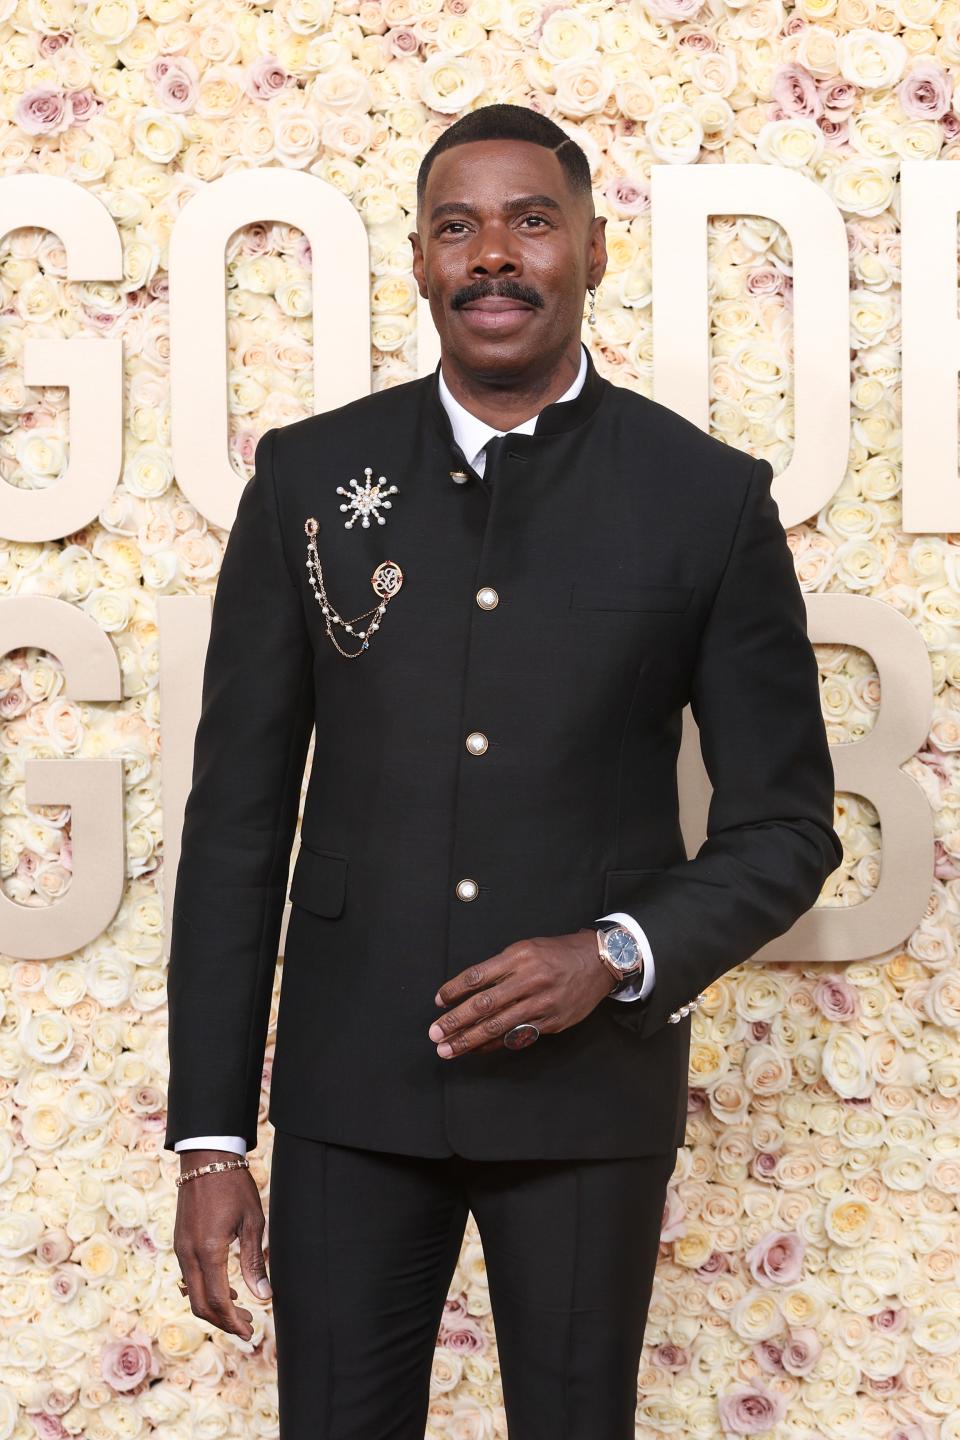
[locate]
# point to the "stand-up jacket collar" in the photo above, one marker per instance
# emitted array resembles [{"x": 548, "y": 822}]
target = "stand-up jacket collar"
[{"x": 552, "y": 420}]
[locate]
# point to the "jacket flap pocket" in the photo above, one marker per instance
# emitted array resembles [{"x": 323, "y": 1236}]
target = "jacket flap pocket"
[
  {"x": 620, "y": 886},
  {"x": 319, "y": 880},
  {"x": 609, "y": 593}
]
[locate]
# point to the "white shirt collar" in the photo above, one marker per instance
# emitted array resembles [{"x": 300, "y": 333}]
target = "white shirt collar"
[{"x": 471, "y": 433}]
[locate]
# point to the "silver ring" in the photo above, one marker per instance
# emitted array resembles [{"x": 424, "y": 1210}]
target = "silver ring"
[{"x": 521, "y": 1036}]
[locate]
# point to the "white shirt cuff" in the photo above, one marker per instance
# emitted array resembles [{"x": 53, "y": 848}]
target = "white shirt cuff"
[
  {"x": 213, "y": 1142},
  {"x": 633, "y": 991}
]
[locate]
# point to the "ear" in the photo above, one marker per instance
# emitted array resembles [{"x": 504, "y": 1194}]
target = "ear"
[
  {"x": 596, "y": 250},
  {"x": 418, "y": 272}
]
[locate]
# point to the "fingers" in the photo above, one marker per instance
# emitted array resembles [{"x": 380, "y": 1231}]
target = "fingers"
[
  {"x": 476, "y": 976},
  {"x": 475, "y": 1011},
  {"x": 205, "y": 1272},
  {"x": 251, "y": 1255},
  {"x": 482, "y": 1020},
  {"x": 488, "y": 1034}
]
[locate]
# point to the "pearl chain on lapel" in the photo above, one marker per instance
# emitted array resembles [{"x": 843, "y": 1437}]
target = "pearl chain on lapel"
[{"x": 386, "y": 581}]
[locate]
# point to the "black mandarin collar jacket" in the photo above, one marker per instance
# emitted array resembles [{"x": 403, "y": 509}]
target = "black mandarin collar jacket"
[{"x": 639, "y": 566}]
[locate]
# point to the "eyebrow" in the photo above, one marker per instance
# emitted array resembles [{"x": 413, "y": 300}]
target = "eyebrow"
[{"x": 521, "y": 202}]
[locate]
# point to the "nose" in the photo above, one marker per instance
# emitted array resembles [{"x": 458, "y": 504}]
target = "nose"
[{"x": 494, "y": 251}]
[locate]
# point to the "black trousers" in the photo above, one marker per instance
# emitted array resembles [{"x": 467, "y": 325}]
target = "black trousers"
[{"x": 362, "y": 1245}]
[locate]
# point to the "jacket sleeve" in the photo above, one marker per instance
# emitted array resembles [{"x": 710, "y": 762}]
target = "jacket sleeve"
[
  {"x": 251, "y": 742},
  {"x": 770, "y": 838}
]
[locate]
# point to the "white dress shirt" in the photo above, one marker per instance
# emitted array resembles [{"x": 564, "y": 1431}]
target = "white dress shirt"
[{"x": 472, "y": 434}]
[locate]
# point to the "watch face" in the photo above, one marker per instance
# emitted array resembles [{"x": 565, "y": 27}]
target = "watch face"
[{"x": 621, "y": 947}]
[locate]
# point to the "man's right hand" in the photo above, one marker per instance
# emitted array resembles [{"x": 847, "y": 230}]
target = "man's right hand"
[{"x": 211, "y": 1210}]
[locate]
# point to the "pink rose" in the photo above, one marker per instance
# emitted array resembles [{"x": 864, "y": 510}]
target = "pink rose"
[
  {"x": 85, "y": 103},
  {"x": 836, "y": 998},
  {"x": 836, "y": 133},
  {"x": 801, "y": 1351},
  {"x": 265, "y": 78},
  {"x": 48, "y": 1427},
  {"x": 402, "y": 41},
  {"x": 765, "y": 1164},
  {"x": 765, "y": 280},
  {"x": 776, "y": 1259},
  {"x": 671, "y": 1357},
  {"x": 716, "y": 1263},
  {"x": 125, "y": 1364},
  {"x": 43, "y": 111},
  {"x": 628, "y": 197},
  {"x": 838, "y": 96},
  {"x": 48, "y": 45},
  {"x": 884, "y": 1384},
  {"x": 945, "y": 866},
  {"x": 925, "y": 91},
  {"x": 750, "y": 1411},
  {"x": 890, "y": 1321},
  {"x": 768, "y": 1357},
  {"x": 950, "y": 124},
  {"x": 702, "y": 41},
  {"x": 178, "y": 85},
  {"x": 795, "y": 92},
  {"x": 467, "y": 1338}
]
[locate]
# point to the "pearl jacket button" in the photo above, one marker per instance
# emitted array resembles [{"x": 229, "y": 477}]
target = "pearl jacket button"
[
  {"x": 476, "y": 742},
  {"x": 487, "y": 597},
  {"x": 467, "y": 889}
]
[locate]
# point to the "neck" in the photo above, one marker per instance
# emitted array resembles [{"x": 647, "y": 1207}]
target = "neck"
[{"x": 507, "y": 401}]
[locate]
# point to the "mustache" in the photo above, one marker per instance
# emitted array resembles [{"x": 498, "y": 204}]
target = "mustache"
[{"x": 507, "y": 289}]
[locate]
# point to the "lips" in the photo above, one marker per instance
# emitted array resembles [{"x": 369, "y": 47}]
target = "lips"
[{"x": 495, "y": 312}]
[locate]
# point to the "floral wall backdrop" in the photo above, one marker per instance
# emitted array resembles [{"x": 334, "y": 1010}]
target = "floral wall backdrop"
[{"x": 808, "y": 1277}]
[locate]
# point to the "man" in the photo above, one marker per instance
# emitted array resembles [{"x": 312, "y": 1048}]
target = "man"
[{"x": 496, "y": 665}]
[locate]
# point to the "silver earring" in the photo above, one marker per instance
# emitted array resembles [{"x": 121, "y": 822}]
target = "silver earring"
[{"x": 592, "y": 317}]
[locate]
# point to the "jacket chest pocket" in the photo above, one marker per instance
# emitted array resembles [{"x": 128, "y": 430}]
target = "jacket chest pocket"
[
  {"x": 603, "y": 593},
  {"x": 319, "y": 881}
]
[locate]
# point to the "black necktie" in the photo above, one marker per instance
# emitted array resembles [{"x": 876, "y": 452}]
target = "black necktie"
[{"x": 493, "y": 450}]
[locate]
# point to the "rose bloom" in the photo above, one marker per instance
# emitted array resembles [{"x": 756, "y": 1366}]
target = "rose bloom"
[
  {"x": 749, "y": 1410},
  {"x": 43, "y": 111},
  {"x": 776, "y": 1259}
]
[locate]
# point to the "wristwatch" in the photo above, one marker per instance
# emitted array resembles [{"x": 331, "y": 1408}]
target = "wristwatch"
[{"x": 619, "y": 950}]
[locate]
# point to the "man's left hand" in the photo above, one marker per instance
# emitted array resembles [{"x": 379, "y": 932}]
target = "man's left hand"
[{"x": 551, "y": 981}]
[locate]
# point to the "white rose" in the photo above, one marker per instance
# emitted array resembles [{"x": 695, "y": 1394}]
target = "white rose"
[
  {"x": 795, "y": 142},
  {"x": 942, "y": 1000},
  {"x": 582, "y": 87},
  {"x": 159, "y": 135},
  {"x": 449, "y": 83},
  {"x": 844, "y": 1061},
  {"x": 47, "y": 1038},
  {"x": 871, "y": 316},
  {"x": 871, "y": 59},
  {"x": 862, "y": 185},
  {"x": 41, "y": 454},
  {"x": 937, "y": 1331},
  {"x": 109, "y": 20},
  {"x": 296, "y": 136},
  {"x": 149, "y": 471},
  {"x": 567, "y": 35},
  {"x": 848, "y": 1220},
  {"x": 674, "y": 134},
  {"x": 756, "y": 1316}
]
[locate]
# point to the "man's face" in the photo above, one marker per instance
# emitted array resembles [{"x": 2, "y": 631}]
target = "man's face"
[{"x": 504, "y": 251}]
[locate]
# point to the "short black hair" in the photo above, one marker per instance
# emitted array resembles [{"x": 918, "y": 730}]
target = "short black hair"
[{"x": 511, "y": 122}]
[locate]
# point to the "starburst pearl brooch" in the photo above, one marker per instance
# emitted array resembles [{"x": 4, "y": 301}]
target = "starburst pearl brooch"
[{"x": 367, "y": 499}]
